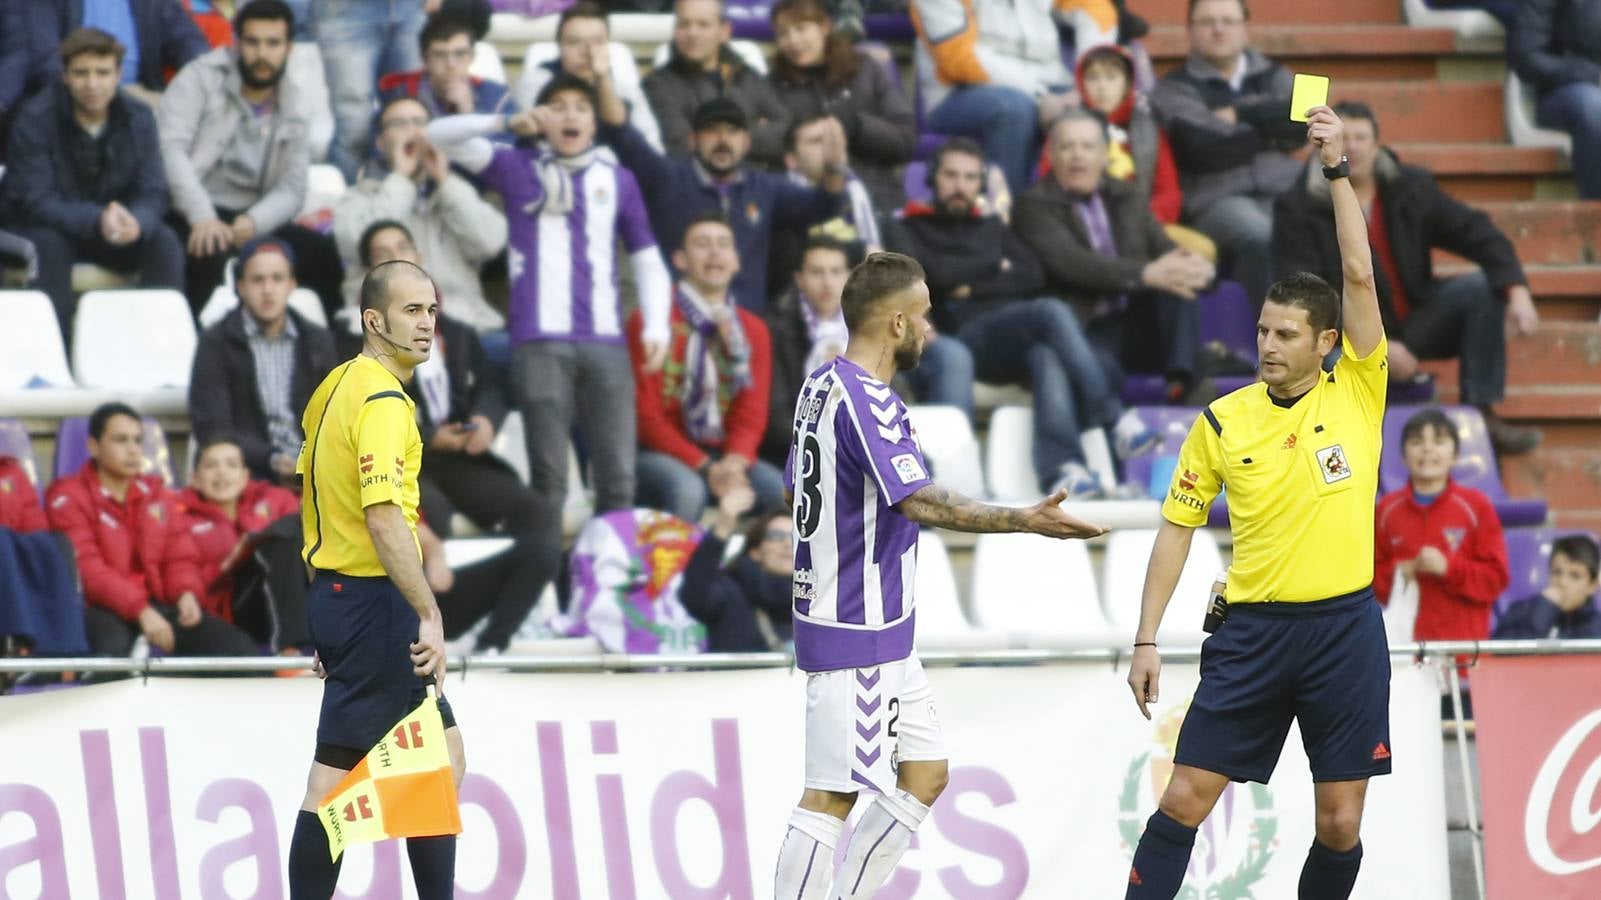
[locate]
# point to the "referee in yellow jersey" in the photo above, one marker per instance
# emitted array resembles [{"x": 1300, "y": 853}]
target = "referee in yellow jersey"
[
  {"x": 374, "y": 622},
  {"x": 1303, "y": 639}
]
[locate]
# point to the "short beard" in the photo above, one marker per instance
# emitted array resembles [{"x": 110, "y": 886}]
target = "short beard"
[
  {"x": 254, "y": 84},
  {"x": 908, "y": 354}
]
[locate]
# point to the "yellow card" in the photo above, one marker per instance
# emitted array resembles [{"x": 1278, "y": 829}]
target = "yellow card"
[{"x": 1309, "y": 91}]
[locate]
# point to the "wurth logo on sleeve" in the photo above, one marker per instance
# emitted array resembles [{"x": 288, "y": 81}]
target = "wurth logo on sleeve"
[{"x": 366, "y": 463}]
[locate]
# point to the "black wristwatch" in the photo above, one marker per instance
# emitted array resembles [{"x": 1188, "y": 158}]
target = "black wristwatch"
[{"x": 1335, "y": 173}]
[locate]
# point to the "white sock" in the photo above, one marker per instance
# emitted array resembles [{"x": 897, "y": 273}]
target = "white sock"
[
  {"x": 806, "y": 860},
  {"x": 876, "y": 847},
  {"x": 1098, "y": 456}
]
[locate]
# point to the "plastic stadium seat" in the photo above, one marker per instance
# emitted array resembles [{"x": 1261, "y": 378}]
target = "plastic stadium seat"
[
  {"x": 1469, "y": 23},
  {"x": 487, "y": 63},
  {"x": 305, "y": 71},
  {"x": 624, "y": 69},
  {"x": 90, "y": 277},
  {"x": 15, "y": 443},
  {"x": 325, "y": 184},
  {"x": 749, "y": 51},
  {"x": 1520, "y": 124},
  {"x": 1227, "y": 317},
  {"x": 914, "y": 181},
  {"x": 1475, "y": 465},
  {"x": 72, "y": 449},
  {"x": 223, "y": 300},
  {"x": 1528, "y": 552},
  {"x": 133, "y": 340},
  {"x": 34, "y": 354},
  {"x": 1128, "y": 552},
  {"x": 1028, "y": 584},
  {"x": 949, "y": 447},
  {"x": 463, "y": 552},
  {"x": 939, "y": 607},
  {"x": 510, "y": 445},
  {"x": 1009, "y": 455}
]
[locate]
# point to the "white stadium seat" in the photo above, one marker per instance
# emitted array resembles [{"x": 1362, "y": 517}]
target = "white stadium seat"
[
  {"x": 133, "y": 340},
  {"x": 35, "y": 353},
  {"x": 939, "y": 606},
  {"x": 1468, "y": 23},
  {"x": 1123, "y": 575},
  {"x": 510, "y": 445},
  {"x": 1028, "y": 584},
  {"x": 325, "y": 184},
  {"x": 305, "y": 72},
  {"x": 1009, "y": 455},
  {"x": 223, "y": 300},
  {"x": 1520, "y": 125},
  {"x": 487, "y": 63},
  {"x": 950, "y": 448}
]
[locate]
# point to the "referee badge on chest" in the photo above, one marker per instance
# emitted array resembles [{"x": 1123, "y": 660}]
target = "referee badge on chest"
[{"x": 1331, "y": 461}]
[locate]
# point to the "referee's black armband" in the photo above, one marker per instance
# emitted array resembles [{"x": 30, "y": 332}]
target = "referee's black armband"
[
  {"x": 1211, "y": 419},
  {"x": 382, "y": 394}
]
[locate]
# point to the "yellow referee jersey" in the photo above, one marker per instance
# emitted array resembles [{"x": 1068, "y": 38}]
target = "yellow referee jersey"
[
  {"x": 1302, "y": 481},
  {"x": 362, "y": 447}
]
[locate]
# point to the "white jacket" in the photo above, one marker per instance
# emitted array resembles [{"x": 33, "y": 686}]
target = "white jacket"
[{"x": 1010, "y": 43}]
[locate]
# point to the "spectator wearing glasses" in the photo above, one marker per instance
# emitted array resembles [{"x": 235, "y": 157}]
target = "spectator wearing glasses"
[{"x": 444, "y": 85}]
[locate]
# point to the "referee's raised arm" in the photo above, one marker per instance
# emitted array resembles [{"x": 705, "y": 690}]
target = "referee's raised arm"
[{"x": 1360, "y": 298}]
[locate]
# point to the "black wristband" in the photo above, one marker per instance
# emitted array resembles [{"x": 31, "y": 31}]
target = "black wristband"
[
  {"x": 1338, "y": 171},
  {"x": 1145, "y": 643}
]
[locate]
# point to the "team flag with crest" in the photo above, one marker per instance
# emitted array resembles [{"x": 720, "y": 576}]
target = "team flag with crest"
[{"x": 403, "y": 788}]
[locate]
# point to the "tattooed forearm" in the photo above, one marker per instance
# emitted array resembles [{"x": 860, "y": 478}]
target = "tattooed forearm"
[{"x": 937, "y": 507}]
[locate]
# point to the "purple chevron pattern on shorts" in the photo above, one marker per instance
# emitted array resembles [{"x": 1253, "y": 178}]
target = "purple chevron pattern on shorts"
[{"x": 869, "y": 726}]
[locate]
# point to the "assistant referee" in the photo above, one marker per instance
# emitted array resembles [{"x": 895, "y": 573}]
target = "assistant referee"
[
  {"x": 1303, "y": 638},
  {"x": 374, "y": 621}
]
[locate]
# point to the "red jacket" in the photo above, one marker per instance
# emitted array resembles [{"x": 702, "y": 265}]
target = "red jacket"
[
  {"x": 19, "y": 503},
  {"x": 656, "y": 397},
  {"x": 128, "y": 553},
  {"x": 1462, "y": 524},
  {"x": 215, "y": 535}
]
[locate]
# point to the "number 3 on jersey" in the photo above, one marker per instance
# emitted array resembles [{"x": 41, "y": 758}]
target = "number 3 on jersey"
[{"x": 809, "y": 505}]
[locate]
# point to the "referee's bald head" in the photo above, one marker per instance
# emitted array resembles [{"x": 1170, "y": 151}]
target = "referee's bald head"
[{"x": 377, "y": 289}]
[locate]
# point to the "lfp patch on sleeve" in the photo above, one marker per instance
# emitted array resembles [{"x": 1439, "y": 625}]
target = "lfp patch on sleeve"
[{"x": 908, "y": 468}]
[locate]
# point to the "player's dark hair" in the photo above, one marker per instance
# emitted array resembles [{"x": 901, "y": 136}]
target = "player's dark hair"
[
  {"x": 709, "y": 216},
  {"x": 1245, "y": 11},
  {"x": 850, "y": 250},
  {"x": 218, "y": 440},
  {"x": 1311, "y": 293},
  {"x": 1356, "y": 109},
  {"x": 881, "y": 276},
  {"x": 566, "y": 82},
  {"x": 91, "y": 41},
  {"x": 958, "y": 145},
  {"x": 583, "y": 9},
  {"x": 440, "y": 27},
  {"x": 792, "y": 133},
  {"x": 375, "y": 293},
  {"x": 264, "y": 11},
  {"x": 1581, "y": 549},
  {"x": 364, "y": 243},
  {"x": 104, "y": 413},
  {"x": 1433, "y": 417}
]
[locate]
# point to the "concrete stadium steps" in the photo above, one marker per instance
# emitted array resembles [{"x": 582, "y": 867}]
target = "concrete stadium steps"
[
  {"x": 1561, "y": 293},
  {"x": 1568, "y": 478},
  {"x": 1342, "y": 52},
  {"x": 1547, "y": 232},
  {"x": 1490, "y": 170},
  {"x": 1277, "y": 12}
]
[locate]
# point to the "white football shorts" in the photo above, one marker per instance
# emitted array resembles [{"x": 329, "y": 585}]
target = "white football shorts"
[{"x": 861, "y": 724}]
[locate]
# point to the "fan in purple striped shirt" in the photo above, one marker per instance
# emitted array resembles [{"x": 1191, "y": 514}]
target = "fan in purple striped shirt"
[{"x": 861, "y": 489}]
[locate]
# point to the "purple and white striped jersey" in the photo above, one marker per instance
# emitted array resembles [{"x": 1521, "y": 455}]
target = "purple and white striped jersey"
[
  {"x": 853, "y": 456},
  {"x": 563, "y": 269}
]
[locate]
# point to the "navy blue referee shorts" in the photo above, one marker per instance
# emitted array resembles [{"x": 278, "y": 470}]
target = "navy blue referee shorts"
[
  {"x": 1325, "y": 665},
  {"x": 363, "y": 629}
]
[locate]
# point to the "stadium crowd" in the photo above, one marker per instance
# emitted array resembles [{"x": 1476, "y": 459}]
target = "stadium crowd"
[{"x": 646, "y": 269}]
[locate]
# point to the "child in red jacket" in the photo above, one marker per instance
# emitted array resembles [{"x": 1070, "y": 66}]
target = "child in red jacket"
[
  {"x": 1444, "y": 536},
  {"x": 135, "y": 557},
  {"x": 247, "y": 541}
]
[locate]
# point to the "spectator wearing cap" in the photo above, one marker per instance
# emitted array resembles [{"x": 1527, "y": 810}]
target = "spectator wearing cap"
[
  {"x": 235, "y": 148},
  {"x": 569, "y": 207},
  {"x": 807, "y": 145},
  {"x": 818, "y": 72},
  {"x": 1467, "y": 317},
  {"x": 85, "y": 182},
  {"x": 1104, "y": 251},
  {"x": 134, "y": 553},
  {"x": 255, "y": 370},
  {"x": 1557, "y": 49},
  {"x": 1566, "y": 609},
  {"x": 717, "y": 178},
  {"x": 410, "y": 181},
  {"x": 583, "y": 42},
  {"x": 1226, "y": 114},
  {"x": 444, "y": 85},
  {"x": 993, "y": 72},
  {"x": 702, "y": 67}
]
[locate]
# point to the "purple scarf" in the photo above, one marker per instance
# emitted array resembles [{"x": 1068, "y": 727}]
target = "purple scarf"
[{"x": 716, "y": 364}]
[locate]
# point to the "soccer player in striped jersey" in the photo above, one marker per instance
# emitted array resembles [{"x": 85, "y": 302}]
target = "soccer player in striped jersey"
[{"x": 860, "y": 490}]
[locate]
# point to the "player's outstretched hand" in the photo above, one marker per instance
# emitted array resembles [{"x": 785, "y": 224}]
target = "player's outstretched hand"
[
  {"x": 428, "y": 651},
  {"x": 1144, "y": 677},
  {"x": 1047, "y": 517}
]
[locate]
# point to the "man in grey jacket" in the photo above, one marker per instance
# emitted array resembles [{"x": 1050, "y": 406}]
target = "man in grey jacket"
[
  {"x": 235, "y": 150},
  {"x": 1226, "y": 112}
]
